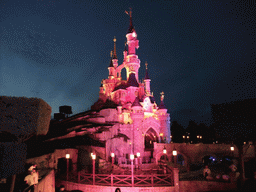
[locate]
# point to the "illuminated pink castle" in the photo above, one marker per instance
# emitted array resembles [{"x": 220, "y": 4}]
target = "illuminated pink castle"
[{"x": 130, "y": 106}]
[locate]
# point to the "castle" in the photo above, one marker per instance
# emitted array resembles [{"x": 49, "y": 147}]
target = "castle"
[{"x": 130, "y": 106}]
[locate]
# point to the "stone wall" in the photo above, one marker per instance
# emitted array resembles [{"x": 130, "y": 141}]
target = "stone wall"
[
  {"x": 24, "y": 116},
  {"x": 95, "y": 188},
  {"x": 197, "y": 186},
  {"x": 47, "y": 183},
  {"x": 51, "y": 160},
  {"x": 194, "y": 153}
]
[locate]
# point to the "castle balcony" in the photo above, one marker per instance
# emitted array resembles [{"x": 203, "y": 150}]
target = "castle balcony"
[{"x": 126, "y": 179}]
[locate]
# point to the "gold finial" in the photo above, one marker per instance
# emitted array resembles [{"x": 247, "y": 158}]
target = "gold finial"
[
  {"x": 129, "y": 13},
  {"x": 146, "y": 64},
  {"x": 162, "y": 96},
  {"x": 114, "y": 39}
]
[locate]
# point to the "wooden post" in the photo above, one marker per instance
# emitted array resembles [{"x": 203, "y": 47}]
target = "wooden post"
[
  {"x": 13, "y": 183},
  {"x": 79, "y": 172},
  {"x": 112, "y": 180},
  {"x": 67, "y": 168},
  {"x": 176, "y": 179},
  {"x": 152, "y": 180},
  {"x": 132, "y": 175},
  {"x": 93, "y": 171}
]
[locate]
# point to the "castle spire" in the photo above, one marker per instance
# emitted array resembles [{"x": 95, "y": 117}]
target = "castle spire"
[
  {"x": 131, "y": 28},
  {"x": 147, "y": 81},
  {"x": 111, "y": 58},
  {"x": 162, "y": 105},
  {"x": 114, "y": 53},
  {"x": 146, "y": 75}
]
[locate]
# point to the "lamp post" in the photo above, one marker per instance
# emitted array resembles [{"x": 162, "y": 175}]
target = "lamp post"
[
  {"x": 232, "y": 148},
  {"x": 132, "y": 158},
  {"x": 174, "y": 153},
  {"x": 67, "y": 157},
  {"x": 93, "y": 167},
  {"x": 164, "y": 152},
  {"x": 138, "y": 156},
  {"x": 112, "y": 156}
]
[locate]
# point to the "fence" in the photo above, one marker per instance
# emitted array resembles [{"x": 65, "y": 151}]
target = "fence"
[{"x": 153, "y": 180}]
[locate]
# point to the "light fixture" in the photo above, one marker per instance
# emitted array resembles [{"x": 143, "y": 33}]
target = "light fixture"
[
  {"x": 67, "y": 156},
  {"x": 93, "y": 157},
  {"x": 112, "y": 154},
  {"x": 164, "y": 150},
  {"x": 138, "y": 154},
  {"x": 174, "y": 152},
  {"x": 232, "y": 148},
  {"x": 131, "y": 156}
]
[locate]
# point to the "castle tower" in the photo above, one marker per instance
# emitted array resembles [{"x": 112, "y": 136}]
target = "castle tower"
[{"x": 132, "y": 64}]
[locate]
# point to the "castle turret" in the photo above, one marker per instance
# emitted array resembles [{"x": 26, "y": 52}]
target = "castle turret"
[
  {"x": 111, "y": 69},
  {"x": 147, "y": 81},
  {"x": 164, "y": 119}
]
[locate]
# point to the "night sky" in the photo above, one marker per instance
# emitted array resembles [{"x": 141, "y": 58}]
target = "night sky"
[{"x": 198, "y": 52}]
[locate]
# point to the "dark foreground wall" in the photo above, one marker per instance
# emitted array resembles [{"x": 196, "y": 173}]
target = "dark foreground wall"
[
  {"x": 197, "y": 186},
  {"x": 12, "y": 158}
]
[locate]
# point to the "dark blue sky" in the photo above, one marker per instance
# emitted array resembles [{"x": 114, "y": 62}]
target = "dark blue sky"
[{"x": 199, "y": 52}]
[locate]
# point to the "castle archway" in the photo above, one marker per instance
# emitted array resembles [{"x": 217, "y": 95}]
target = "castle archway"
[{"x": 150, "y": 138}]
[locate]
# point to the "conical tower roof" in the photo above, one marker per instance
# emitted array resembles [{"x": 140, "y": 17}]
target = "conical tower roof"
[
  {"x": 136, "y": 103},
  {"x": 132, "y": 81},
  {"x": 162, "y": 105}
]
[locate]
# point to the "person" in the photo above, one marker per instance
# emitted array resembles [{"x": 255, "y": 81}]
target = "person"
[
  {"x": 226, "y": 177},
  {"x": 31, "y": 180},
  {"x": 33, "y": 166},
  {"x": 233, "y": 167},
  {"x": 118, "y": 190},
  {"x": 35, "y": 175},
  {"x": 62, "y": 188},
  {"x": 206, "y": 172}
]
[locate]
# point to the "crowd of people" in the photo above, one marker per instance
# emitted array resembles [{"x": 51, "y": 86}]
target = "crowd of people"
[{"x": 230, "y": 174}]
